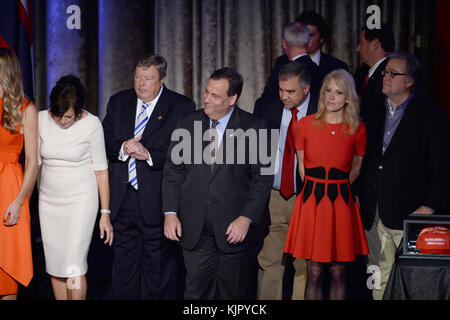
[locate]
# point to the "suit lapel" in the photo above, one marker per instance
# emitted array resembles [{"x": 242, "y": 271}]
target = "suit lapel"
[
  {"x": 407, "y": 120},
  {"x": 159, "y": 113},
  {"x": 377, "y": 79},
  {"x": 129, "y": 115}
]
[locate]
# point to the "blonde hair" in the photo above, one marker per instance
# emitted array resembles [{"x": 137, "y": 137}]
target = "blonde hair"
[
  {"x": 11, "y": 82},
  {"x": 344, "y": 80}
]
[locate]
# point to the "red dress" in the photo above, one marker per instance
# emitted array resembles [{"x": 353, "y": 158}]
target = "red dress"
[
  {"x": 16, "y": 264},
  {"x": 326, "y": 225}
]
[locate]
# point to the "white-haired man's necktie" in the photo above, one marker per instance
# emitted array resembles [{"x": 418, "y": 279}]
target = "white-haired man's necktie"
[{"x": 141, "y": 122}]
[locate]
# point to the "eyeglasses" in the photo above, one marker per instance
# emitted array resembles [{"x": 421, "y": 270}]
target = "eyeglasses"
[{"x": 392, "y": 74}]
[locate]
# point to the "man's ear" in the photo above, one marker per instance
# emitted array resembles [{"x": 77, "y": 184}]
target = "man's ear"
[
  {"x": 410, "y": 83},
  {"x": 375, "y": 44},
  {"x": 162, "y": 80},
  {"x": 306, "y": 89},
  {"x": 233, "y": 99},
  {"x": 284, "y": 44}
]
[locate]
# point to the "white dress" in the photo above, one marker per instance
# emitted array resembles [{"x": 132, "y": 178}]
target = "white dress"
[{"x": 68, "y": 192}]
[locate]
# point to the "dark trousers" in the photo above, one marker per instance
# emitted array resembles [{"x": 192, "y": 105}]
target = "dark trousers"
[
  {"x": 214, "y": 275},
  {"x": 143, "y": 266}
]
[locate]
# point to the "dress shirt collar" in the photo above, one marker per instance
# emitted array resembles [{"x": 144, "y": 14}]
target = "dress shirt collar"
[
  {"x": 391, "y": 109},
  {"x": 375, "y": 66},
  {"x": 222, "y": 121},
  {"x": 300, "y": 55},
  {"x": 316, "y": 57},
  {"x": 303, "y": 108}
]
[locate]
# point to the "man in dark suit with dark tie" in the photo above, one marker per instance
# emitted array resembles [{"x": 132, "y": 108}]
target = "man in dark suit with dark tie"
[
  {"x": 405, "y": 169},
  {"x": 214, "y": 192},
  {"x": 373, "y": 47},
  {"x": 137, "y": 126},
  {"x": 295, "y": 44},
  {"x": 295, "y": 98}
]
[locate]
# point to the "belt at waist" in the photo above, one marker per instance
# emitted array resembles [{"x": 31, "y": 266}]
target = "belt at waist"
[
  {"x": 9, "y": 157},
  {"x": 321, "y": 174},
  {"x": 327, "y": 181}
]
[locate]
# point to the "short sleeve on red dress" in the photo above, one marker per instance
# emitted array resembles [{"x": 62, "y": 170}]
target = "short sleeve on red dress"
[
  {"x": 300, "y": 134},
  {"x": 360, "y": 140}
]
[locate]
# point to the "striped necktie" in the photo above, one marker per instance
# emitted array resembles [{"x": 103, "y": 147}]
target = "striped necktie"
[
  {"x": 141, "y": 122},
  {"x": 214, "y": 143}
]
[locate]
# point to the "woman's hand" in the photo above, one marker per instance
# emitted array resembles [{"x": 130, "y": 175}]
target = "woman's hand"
[
  {"x": 106, "y": 228},
  {"x": 12, "y": 214}
]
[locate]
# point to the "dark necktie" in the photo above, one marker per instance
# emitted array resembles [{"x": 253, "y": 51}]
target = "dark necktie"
[
  {"x": 214, "y": 143},
  {"x": 366, "y": 79},
  {"x": 287, "y": 173}
]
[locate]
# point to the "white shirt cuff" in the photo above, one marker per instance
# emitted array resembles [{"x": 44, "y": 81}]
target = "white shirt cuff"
[
  {"x": 149, "y": 161},
  {"x": 122, "y": 156}
]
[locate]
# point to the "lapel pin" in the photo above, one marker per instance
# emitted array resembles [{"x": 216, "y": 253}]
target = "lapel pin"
[{"x": 159, "y": 117}]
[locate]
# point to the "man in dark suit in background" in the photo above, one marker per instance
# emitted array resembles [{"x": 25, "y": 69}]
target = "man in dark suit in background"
[
  {"x": 216, "y": 208},
  {"x": 373, "y": 47},
  {"x": 319, "y": 32},
  {"x": 295, "y": 100},
  {"x": 295, "y": 44},
  {"x": 405, "y": 169},
  {"x": 137, "y": 126}
]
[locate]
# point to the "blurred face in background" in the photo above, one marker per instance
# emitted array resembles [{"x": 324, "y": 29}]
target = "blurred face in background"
[{"x": 314, "y": 41}]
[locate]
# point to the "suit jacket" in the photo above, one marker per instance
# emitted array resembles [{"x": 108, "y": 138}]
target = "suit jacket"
[
  {"x": 329, "y": 63},
  {"x": 274, "y": 113},
  {"x": 413, "y": 170},
  {"x": 372, "y": 98},
  {"x": 232, "y": 190},
  {"x": 118, "y": 126}
]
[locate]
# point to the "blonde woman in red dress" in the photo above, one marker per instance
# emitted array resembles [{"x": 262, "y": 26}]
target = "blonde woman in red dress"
[
  {"x": 18, "y": 127},
  {"x": 325, "y": 227}
]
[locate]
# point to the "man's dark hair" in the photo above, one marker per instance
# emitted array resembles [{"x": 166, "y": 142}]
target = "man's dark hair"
[
  {"x": 295, "y": 69},
  {"x": 413, "y": 67},
  {"x": 384, "y": 35},
  {"x": 235, "y": 80},
  {"x": 146, "y": 60},
  {"x": 67, "y": 93},
  {"x": 314, "y": 19}
]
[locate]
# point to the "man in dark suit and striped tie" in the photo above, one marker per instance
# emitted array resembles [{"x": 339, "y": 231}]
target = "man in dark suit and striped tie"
[{"x": 138, "y": 126}]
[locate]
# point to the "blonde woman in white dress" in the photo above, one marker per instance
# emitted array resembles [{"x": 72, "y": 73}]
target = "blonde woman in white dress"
[{"x": 74, "y": 172}]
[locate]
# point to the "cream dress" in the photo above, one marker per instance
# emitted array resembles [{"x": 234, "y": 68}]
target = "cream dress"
[{"x": 68, "y": 192}]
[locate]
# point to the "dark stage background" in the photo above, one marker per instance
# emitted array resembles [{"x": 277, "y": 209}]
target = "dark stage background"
[{"x": 196, "y": 37}]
